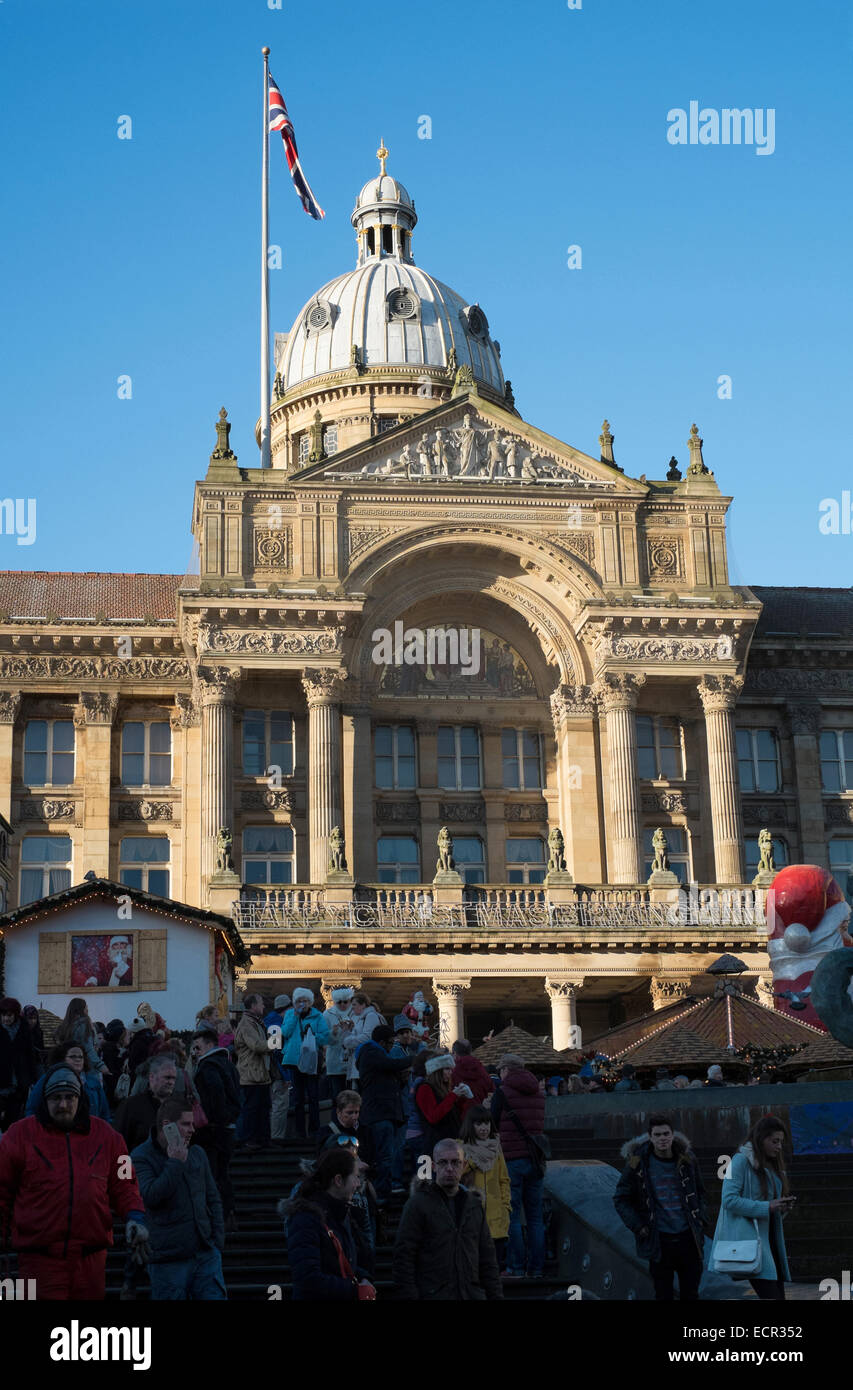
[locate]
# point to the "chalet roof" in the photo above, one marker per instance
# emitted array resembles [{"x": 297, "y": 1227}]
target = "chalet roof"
[
  {"x": 82, "y": 595},
  {"x": 536, "y": 1053}
]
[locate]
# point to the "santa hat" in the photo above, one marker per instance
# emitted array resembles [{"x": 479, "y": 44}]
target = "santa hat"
[
  {"x": 301, "y": 993},
  {"x": 808, "y": 914}
]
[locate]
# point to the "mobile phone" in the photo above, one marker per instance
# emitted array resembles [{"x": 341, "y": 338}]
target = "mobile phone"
[{"x": 173, "y": 1134}]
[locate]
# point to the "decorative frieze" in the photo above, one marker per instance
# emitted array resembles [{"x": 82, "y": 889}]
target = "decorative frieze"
[
  {"x": 792, "y": 680},
  {"x": 50, "y": 808},
  {"x": 838, "y": 812},
  {"x": 461, "y": 810},
  {"x": 145, "y": 810},
  {"x": 525, "y": 811},
  {"x": 627, "y": 647},
  {"x": 768, "y": 813},
  {"x": 266, "y": 798},
  {"x": 673, "y": 803},
  {"x": 386, "y": 811},
  {"x": 325, "y": 642},
  {"x": 87, "y": 668}
]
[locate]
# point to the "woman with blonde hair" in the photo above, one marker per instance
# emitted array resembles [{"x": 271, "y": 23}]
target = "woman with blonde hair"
[{"x": 486, "y": 1170}]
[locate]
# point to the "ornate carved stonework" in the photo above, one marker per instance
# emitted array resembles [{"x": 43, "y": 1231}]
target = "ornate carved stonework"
[
  {"x": 674, "y": 803},
  {"x": 185, "y": 714},
  {"x": 568, "y": 701},
  {"x": 361, "y": 537},
  {"x": 145, "y": 810},
  {"x": 804, "y": 716},
  {"x": 397, "y": 810},
  {"x": 626, "y": 646},
  {"x": 667, "y": 991},
  {"x": 86, "y": 668},
  {"x": 266, "y": 798},
  {"x": 719, "y": 692},
  {"x": 619, "y": 689},
  {"x": 525, "y": 810},
  {"x": 95, "y": 707},
  {"x": 322, "y": 643},
  {"x": 767, "y": 813},
  {"x": 795, "y": 681},
  {"x": 461, "y": 810},
  {"x": 272, "y": 548},
  {"x": 838, "y": 812},
  {"x": 473, "y": 452},
  {"x": 580, "y": 543},
  {"x": 217, "y": 684},
  {"x": 48, "y": 809},
  {"x": 323, "y": 685},
  {"x": 562, "y": 989},
  {"x": 665, "y": 557},
  {"x": 450, "y": 989},
  {"x": 10, "y": 704}
]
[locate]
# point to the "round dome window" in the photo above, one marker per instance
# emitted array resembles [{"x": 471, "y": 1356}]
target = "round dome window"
[{"x": 402, "y": 304}]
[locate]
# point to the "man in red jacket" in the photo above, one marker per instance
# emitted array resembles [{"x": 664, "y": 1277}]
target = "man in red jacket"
[
  {"x": 518, "y": 1109},
  {"x": 469, "y": 1071},
  {"x": 62, "y": 1174}
]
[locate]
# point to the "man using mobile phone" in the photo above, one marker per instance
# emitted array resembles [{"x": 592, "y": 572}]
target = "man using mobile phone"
[{"x": 183, "y": 1210}]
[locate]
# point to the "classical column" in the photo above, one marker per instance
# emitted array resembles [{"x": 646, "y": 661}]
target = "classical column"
[
  {"x": 10, "y": 704},
  {"x": 216, "y": 690},
  {"x": 617, "y": 692},
  {"x": 804, "y": 717},
  {"x": 573, "y": 709},
  {"x": 323, "y": 694},
  {"x": 451, "y": 1018},
  {"x": 719, "y": 696},
  {"x": 94, "y": 713},
  {"x": 358, "y": 782},
  {"x": 664, "y": 991},
  {"x": 565, "y": 1031}
]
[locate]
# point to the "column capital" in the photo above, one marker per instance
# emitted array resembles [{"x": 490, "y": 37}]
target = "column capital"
[
  {"x": 185, "y": 714},
  {"x": 804, "y": 716},
  {"x": 562, "y": 989},
  {"x": 719, "y": 693},
  {"x": 95, "y": 707},
  {"x": 10, "y": 706},
  {"x": 619, "y": 689},
  {"x": 572, "y": 702},
  {"x": 666, "y": 991},
  {"x": 450, "y": 989},
  {"x": 217, "y": 684},
  {"x": 323, "y": 685},
  {"x": 338, "y": 982}
]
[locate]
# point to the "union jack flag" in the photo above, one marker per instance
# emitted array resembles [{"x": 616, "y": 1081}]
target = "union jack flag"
[{"x": 280, "y": 120}]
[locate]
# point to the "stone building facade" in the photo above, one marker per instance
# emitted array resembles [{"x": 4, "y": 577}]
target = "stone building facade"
[{"x": 621, "y": 684}]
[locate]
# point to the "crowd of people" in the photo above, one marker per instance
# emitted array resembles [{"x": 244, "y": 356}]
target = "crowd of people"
[{"x": 136, "y": 1123}]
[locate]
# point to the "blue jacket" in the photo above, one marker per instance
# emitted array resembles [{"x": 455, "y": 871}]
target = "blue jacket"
[
  {"x": 183, "y": 1209},
  {"x": 743, "y": 1204},
  {"x": 99, "y": 1106},
  {"x": 293, "y": 1030}
]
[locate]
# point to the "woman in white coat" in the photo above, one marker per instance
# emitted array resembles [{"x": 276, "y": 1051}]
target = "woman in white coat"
[
  {"x": 756, "y": 1190},
  {"x": 365, "y": 1017}
]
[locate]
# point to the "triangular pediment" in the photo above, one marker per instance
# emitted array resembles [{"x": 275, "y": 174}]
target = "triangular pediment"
[{"x": 468, "y": 443}]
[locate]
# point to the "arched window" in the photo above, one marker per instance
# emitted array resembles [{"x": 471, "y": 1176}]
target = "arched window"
[{"x": 387, "y": 240}]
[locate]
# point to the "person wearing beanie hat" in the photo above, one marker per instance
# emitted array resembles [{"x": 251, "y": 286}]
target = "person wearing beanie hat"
[
  {"x": 71, "y": 1055},
  {"x": 303, "y": 1032},
  {"x": 279, "y": 1075},
  {"x": 439, "y": 1101},
  {"x": 339, "y": 1019},
  {"x": 18, "y": 1062},
  {"x": 64, "y": 1176},
  {"x": 382, "y": 1112}
]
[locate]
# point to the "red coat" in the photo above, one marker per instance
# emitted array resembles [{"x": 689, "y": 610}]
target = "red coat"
[
  {"x": 62, "y": 1187},
  {"x": 470, "y": 1071},
  {"x": 521, "y": 1093}
]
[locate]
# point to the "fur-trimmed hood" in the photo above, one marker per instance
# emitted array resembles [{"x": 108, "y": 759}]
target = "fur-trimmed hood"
[{"x": 680, "y": 1146}]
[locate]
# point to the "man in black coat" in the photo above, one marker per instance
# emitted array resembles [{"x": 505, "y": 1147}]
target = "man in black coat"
[
  {"x": 381, "y": 1104},
  {"x": 443, "y": 1248},
  {"x": 661, "y": 1199},
  {"x": 218, "y": 1086},
  {"x": 182, "y": 1208},
  {"x": 136, "y": 1115},
  {"x": 18, "y": 1062}
]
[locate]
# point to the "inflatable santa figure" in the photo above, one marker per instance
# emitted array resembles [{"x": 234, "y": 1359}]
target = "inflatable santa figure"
[{"x": 807, "y": 915}]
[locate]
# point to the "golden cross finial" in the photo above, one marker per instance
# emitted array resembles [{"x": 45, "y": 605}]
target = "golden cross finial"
[{"x": 381, "y": 155}]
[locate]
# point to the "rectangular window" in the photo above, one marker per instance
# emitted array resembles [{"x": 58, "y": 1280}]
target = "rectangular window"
[
  {"x": 459, "y": 757},
  {"x": 144, "y": 863},
  {"x": 49, "y": 753},
  {"x": 397, "y": 859},
  {"x": 469, "y": 858},
  {"x": 394, "y": 759},
  {"x": 758, "y": 760},
  {"x": 752, "y": 855},
  {"x": 268, "y": 854},
  {"x": 677, "y": 851},
  {"x": 146, "y": 753},
  {"x": 525, "y": 860},
  {"x": 45, "y": 866},
  {"x": 522, "y": 759},
  {"x": 836, "y": 760},
  {"x": 304, "y": 447},
  {"x": 330, "y": 440},
  {"x": 267, "y": 743},
  {"x": 660, "y": 748},
  {"x": 841, "y": 864}
]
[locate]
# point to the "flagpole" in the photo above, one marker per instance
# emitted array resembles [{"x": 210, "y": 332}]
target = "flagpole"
[{"x": 266, "y": 456}]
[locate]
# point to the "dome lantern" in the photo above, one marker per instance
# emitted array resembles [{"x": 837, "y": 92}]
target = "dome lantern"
[{"x": 384, "y": 217}]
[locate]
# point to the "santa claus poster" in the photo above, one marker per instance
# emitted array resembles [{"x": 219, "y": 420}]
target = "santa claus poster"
[{"x": 102, "y": 961}]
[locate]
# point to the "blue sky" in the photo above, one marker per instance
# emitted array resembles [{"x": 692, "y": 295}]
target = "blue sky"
[{"x": 549, "y": 126}]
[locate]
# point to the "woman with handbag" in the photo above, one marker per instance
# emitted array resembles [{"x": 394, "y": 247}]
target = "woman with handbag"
[
  {"x": 749, "y": 1240},
  {"x": 485, "y": 1169},
  {"x": 304, "y": 1031},
  {"x": 320, "y": 1244}
]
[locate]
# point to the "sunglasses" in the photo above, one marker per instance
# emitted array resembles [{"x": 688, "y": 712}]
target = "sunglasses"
[{"x": 345, "y": 1139}]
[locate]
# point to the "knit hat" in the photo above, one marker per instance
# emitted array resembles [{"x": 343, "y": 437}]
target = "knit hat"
[
  {"x": 342, "y": 995},
  {"x": 402, "y": 1023},
  {"x": 114, "y": 1030},
  {"x": 281, "y": 1001},
  {"x": 62, "y": 1079},
  {"x": 441, "y": 1063},
  {"x": 382, "y": 1033},
  {"x": 303, "y": 994}
]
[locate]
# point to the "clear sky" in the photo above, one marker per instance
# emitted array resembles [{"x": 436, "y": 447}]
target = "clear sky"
[{"x": 549, "y": 129}]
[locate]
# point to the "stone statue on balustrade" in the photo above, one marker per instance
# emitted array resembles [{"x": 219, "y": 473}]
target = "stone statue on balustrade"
[
  {"x": 224, "y": 861},
  {"x": 766, "y": 867},
  {"x": 558, "y": 874},
  {"x": 661, "y": 875}
]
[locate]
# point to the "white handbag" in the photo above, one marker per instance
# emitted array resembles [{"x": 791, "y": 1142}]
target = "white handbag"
[
  {"x": 308, "y": 1057},
  {"x": 737, "y": 1256}
]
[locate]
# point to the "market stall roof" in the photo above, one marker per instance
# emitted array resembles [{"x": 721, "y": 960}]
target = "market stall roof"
[{"x": 536, "y": 1053}]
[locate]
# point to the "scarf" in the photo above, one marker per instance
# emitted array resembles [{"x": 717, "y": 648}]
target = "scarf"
[{"x": 483, "y": 1153}]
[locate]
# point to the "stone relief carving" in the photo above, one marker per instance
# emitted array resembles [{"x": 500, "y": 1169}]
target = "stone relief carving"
[
  {"x": 719, "y": 693},
  {"x": 217, "y": 639},
  {"x": 49, "y": 809},
  {"x": 10, "y": 704},
  {"x": 145, "y": 810},
  {"x": 461, "y": 810},
  {"x": 185, "y": 714},
  {"x": 768, "y": 812},
  {"x": 839, "y": 812},
  {"x": 619, "y": 689},
  {"x": 795, "y": 681},
  {"x": 155, "y": 668},
  {"x": 95, "y": 707},
  {"x": 398, "y": 810},
  {"x": 361, "y": 537},
  {"x": 272, "y": 548},
  {"x": 257, "y": 798},
  {"x": 628, "y": 647},
  {"x": 671, "y": 802},
  {"x": 804, "y": 718},
  {"x": 473, "y": 453},
  {"x": 525, "y": 810},
  {"x": 323, "y": 685},
  {"x": 217, "y": 683},
  {"x": 665, "y": 556},
  {"x": 580, "y": 543},
  {"x": 568, "y": 700}
]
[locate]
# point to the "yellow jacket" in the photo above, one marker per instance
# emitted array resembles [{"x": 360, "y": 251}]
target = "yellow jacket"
[{"x": 495, "y": 1188}]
